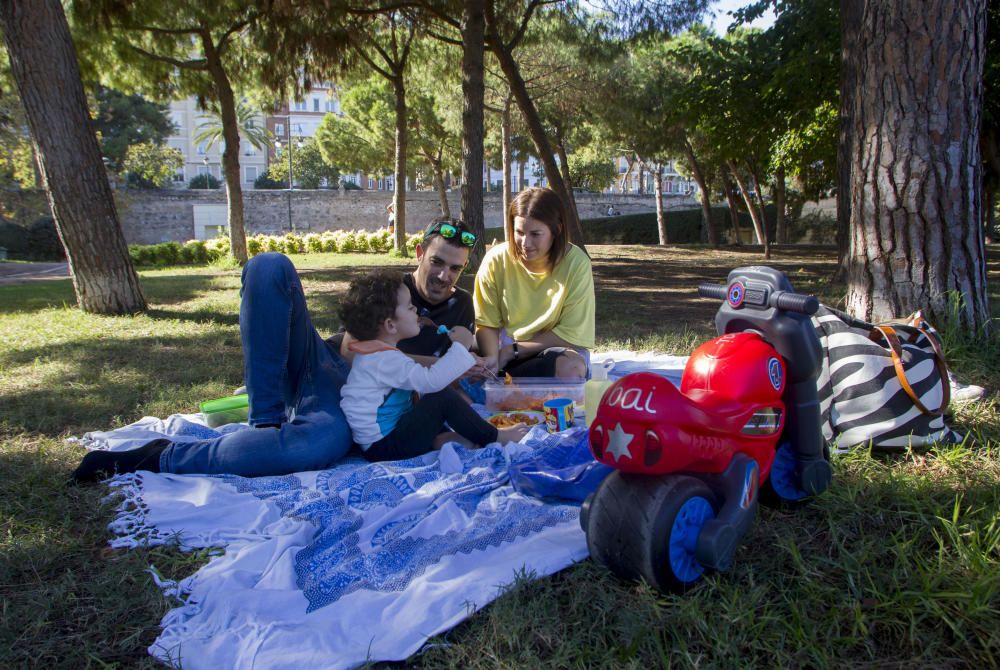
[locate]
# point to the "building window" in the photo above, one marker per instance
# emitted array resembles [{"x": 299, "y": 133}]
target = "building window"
[
  {"x": 202, "y": 148},
  {"x": 331, "y": 106},
  {"x": 279, "y": 130},
  {"x": 300, "y": 105},
  {"x": 371, "y": 183},
  {"x": 315, "y": 104},
  {"x": 249, "y": 150},
  {"x": 251, "y": 174},
  {"x": 178, "y": 177},
  {"x": 204, "y": 169}
]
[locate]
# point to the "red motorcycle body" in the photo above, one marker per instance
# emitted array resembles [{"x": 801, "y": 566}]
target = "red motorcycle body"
[{"x": 729, "y": 402}]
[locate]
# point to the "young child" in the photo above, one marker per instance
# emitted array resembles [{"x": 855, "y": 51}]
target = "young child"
[{"x": 378, "y": 396}]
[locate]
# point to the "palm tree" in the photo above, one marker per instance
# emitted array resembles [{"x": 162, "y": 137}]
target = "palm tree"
[{"x": 210, "y": 129}]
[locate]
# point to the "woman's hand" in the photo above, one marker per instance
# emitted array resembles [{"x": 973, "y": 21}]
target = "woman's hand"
[{"x": 462, "y": 335}]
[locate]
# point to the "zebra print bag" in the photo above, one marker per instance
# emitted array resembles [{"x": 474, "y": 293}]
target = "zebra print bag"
[{"x": 884, "y": 385}]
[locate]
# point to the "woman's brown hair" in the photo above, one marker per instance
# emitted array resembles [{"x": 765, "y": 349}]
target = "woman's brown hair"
[{"x": 544, "y": 205}]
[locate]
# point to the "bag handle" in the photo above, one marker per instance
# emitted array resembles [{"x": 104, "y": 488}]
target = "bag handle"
[{"x": 895, "y": 349}]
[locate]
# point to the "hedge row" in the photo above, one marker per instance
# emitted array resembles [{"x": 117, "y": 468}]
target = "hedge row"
[{"x": 200, "y": 252}]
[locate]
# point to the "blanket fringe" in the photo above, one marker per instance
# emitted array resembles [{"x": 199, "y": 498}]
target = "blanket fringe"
[{"x": 131, "y": 524}]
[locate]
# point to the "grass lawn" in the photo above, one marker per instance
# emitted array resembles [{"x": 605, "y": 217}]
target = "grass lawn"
[{"x": 896, "y": 566}]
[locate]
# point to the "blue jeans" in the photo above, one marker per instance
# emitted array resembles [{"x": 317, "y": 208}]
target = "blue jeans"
[{"x": 293, "y": 379}]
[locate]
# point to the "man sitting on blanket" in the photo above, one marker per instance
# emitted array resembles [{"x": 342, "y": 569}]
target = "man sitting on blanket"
[{"x": 294, "y": 377}]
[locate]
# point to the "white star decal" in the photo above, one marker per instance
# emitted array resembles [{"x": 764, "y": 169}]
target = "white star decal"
[{"x": 618, "y": 441}]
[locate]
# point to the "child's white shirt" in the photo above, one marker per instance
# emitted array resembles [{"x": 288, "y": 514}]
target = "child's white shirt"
[{"x": 379, "y": 387}]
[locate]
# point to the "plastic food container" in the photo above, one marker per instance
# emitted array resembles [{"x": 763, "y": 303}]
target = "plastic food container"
[
  {"x": 529, "y": 393},
  {"x": 231, "y": 409}
]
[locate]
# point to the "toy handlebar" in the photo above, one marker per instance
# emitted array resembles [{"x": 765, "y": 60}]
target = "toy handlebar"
[{"x": 786, "y": 300}]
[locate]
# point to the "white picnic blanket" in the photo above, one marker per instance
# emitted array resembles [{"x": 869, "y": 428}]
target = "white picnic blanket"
[{"x": 361, "y": 562}]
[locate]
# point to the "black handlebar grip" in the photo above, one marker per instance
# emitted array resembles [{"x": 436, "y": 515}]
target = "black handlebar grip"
[
  {"x": 795, "y": 302},
  {"x": 717, "y": 291}
]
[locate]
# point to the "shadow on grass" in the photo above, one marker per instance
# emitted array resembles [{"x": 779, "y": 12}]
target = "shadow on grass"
[
  {"x": 68, "y": 600},
  {"x": 106, "y": 381}
]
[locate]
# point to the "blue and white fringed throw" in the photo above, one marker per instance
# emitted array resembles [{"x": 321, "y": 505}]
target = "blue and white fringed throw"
[
  {"x": 334, "y": 568},
  {"x": 330, "y": 569}
]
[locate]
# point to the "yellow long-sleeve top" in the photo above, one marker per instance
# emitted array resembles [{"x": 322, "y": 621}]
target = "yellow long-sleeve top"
[{"x": 508, "y": 295}]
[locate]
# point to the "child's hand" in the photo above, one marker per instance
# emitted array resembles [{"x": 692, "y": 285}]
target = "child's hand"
[{"x": 463, "y": 336}]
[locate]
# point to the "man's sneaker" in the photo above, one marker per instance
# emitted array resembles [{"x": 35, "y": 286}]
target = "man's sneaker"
[{"x": 964, "y": 392}]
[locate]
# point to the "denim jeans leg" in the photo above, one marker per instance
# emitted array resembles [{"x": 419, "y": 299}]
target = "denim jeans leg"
[
  {"x": 277, "y": 336},
  {"x": 293, "y": 378}
]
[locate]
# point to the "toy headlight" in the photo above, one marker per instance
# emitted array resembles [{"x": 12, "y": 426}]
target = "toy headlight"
[{"x": 763, "y": 422}]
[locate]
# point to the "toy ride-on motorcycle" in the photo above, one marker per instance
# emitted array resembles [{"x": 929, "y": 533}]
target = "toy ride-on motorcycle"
[{"x": 689, "y": 462}]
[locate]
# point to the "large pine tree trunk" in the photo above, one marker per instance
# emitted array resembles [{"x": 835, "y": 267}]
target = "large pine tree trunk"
[
  {"x": 780, "y": 224},
  {"x": 535, "y": 127},
  {"x": 755, "y": 215},
  {"x": 706, "y": 206},
  {"x": 399, "y": 192},
  {"x": 231, "y": 153},
  {"x": 439, "y": 184},
  {"x": 43, "y": 62},
  {"x": 473, "y": 105},
  {"x": 915, "y": 167},
  {"x": 661, "y": 222},
  {"x": 734, "y": 216},
  {"x": 508, "y": 152}
]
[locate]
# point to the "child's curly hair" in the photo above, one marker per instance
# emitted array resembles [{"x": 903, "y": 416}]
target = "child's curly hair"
[{"x": 370, "y": 300}]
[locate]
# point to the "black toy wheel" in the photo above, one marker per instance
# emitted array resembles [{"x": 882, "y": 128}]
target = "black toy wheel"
[{"x": 647, "y": 527}]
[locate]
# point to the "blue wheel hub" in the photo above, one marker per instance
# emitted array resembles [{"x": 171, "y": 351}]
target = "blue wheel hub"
[
  {"x": 783, "y": 479},
  {"x": 684, "y": 537}
]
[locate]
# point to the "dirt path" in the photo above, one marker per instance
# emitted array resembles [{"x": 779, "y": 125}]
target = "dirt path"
[{"x": 19, "y": 273}]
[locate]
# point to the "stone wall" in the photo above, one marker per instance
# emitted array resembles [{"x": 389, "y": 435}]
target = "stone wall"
[{"x": 149, "y": 217}]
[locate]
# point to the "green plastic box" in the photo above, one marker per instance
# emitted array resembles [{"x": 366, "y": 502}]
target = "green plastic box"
[{"x": 231, "y": 409}]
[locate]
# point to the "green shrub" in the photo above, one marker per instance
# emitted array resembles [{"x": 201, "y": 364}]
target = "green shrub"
[
  {"x": 194, "y": 252},
  {"x": 204, "y": 181},
  {"x": 349, "y": 243},
  {"x": 264, "y": 182},
  {"x": 218, "y": 248},
  {"x": 314, "y": 243},
  {"x": 292, "y": 244},
  {"x": 255, "y": 245},
  {"x": 331, "y": 243},
  {"x": 273, "y": 244}
]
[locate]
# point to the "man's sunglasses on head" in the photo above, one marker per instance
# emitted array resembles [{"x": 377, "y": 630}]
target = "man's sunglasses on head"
[{"x": 449, "y": 230}]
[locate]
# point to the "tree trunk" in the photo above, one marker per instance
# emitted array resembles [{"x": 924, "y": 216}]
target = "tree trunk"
[
  {"x": 564, "y": 166},
  {"x": 623, "y": 179},
  {"x": 758, "y": 223},
  {"x": 734, "y": 215},
  {"x": 473, "y": 97},
  {"x": 706, "y": 206},
  {"x": 520, "y": 176},
  {"x": 642, "y": 177},
  {"x": 508, "y": 152},
  {"x": 915, "y": 229},
  {"x": 850, "y": 25},
  {"x": 399, "y": 192},
  {"x": 439, "y": 185},
  {"x": 661, "y": 222},
  {"x": 231, "y": 154},
  {"x": 780, "y": 227},
  {"x": 47, "y": 74},
  {"x": 759, "y": 198},
  {"x": 535, "y": 128}
]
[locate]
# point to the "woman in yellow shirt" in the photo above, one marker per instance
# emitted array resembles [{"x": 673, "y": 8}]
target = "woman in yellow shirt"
[{"x": 534, "y": 296}]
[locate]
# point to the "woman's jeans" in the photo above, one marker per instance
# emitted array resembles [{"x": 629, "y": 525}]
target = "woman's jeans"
[{"x": 293, "y": 379}]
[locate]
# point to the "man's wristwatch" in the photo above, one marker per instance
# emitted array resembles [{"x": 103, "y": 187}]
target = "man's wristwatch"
[{"x": 513, "y": 346}]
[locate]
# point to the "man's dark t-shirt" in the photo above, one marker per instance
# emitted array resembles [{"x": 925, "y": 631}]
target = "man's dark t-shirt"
[{"x": 455, "y": 311}]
